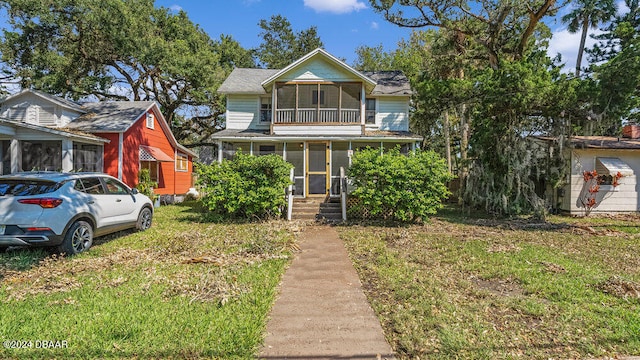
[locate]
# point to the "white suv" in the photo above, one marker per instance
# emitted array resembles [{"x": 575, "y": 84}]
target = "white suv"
[{"x": 64, "y": 211}]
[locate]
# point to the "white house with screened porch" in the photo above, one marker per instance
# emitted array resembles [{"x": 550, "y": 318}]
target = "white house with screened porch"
[{"x": 315, "y": 113}]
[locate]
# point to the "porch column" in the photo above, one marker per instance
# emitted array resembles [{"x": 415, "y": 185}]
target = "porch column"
[
  {"x": 16, "y": 156},
  {"x": 284, "y": 151},
  {"x": 120, "y": 155},
  {"x": 219, "y": 151},
  {"x": 67, "y": 155}
]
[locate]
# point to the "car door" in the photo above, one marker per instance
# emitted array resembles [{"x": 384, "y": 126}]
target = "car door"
[
  {"x": 119, "y": 202},
  {"x": 91, "y": 199}
]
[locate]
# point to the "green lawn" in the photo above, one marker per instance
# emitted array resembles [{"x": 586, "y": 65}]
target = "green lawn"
[
  {"x": 182, "y": 289},
  {"x": 475, "y": 288}
]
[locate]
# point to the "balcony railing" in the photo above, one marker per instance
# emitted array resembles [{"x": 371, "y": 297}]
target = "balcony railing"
[{"x": 317, "y": 116}]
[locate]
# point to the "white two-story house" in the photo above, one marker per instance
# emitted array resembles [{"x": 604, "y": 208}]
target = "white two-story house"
[{"x": 315, "y": 113}]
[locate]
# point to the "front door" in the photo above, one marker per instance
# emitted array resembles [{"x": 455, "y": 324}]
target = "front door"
[{"x": 317, "y": 168}]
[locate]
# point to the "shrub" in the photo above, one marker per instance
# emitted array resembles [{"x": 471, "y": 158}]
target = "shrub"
[
  {"x": 396, "y": 186},
  {"x": 146, "y": 185},
  {"x": 246, "y": 187}
]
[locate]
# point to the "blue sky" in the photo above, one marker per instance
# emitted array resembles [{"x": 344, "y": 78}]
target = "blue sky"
[{"x": 343, "y": 25}]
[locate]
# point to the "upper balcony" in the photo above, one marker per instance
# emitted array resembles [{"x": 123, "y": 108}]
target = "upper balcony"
[{"x": 318, "y": 104}]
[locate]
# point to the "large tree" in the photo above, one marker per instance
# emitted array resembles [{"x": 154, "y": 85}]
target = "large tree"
[
  {"x": 616, "y": 72},
  {"x": 505, "y": 29},
  {"x": 587, "y": 14},
  {"x": 489, "y": 70},
  {"x": 118, "y": 50},
  {"x": 281, "y": 45}
]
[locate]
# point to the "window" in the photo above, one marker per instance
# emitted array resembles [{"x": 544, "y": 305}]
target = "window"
[
  {"x": 265, "y": 109},
  {"x": 115, "y": 187},
  {"x": 370, "y": 111},
  {"x": 27, "y": 187},
  {"x": 87, "y": 157},
  {"x": 152, "y": 166},
  {"x": 267, "y": 149},
  {"x": 6, "y": 157},
  {"x": 182, "y": 162},
  {"x": 42, "y": 156},
  {"x": 150, "y": 120},
  {"x": 315, "y": 99},
  {"x": 89, "y": 186}
]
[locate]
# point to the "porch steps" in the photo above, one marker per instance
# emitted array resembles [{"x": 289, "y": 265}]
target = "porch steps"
[{"x": 316, "y": 209}]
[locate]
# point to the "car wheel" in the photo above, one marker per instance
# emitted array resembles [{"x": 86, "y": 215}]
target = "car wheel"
[
  {"x": 78, "y": 238},
  {"x": 3, "y": 249},
  {"x": 144, "y": 219}
]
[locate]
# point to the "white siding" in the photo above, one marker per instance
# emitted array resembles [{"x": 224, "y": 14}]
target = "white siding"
[
  {"x": 318, "y": 70},
  {"x": 393, "y": 113},
  {"x": 243, "y": 112},
  {"x": 33, "y": 109},
  {"x": 317, "y": 130},
  {"x": 623, "y": 198}
]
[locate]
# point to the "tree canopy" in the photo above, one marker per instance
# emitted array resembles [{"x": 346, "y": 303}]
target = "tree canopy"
[
  {"x": 281, "y": 45},
  {"x": 120, "y": 50}
]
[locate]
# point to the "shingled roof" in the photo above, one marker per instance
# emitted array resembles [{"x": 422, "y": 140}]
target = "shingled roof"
[
  {"x": 599, "y": 142},
  {"x": 115, "y": 116},
  {"x": 248, "y": 81}
]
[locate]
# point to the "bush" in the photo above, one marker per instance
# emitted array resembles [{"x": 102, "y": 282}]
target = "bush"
[
  {"x": 399, "y": 187},
  {"x": 146, "y": 185},
  {"x": 246, "y": 187}
]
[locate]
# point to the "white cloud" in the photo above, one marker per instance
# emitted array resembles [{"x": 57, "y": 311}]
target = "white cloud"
[
  {"x": 374, "y": 25},
  {"x": 567, "y": 44},
  {"x": 175, "y": 8},
  {"x": 335, "y": 6}
]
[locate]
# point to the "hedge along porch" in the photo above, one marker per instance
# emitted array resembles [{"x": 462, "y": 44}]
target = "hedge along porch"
[{"x": 317, "y": 160}]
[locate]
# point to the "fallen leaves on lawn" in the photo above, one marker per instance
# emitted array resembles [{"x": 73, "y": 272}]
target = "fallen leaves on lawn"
[
  {"x": 211, "y": 286},
  {"x": 620, "y": 287},
  {"x": 46, "y": 278},
  {"x": 248, "y": 245}
]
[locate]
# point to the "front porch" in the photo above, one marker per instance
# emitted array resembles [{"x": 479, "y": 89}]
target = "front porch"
[
  {"x": 28, "y": 147},
  {"x": 316, "y": 160}
]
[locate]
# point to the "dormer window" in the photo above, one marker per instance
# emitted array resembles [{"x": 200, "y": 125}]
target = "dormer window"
[{"x": 150, "y": 121}]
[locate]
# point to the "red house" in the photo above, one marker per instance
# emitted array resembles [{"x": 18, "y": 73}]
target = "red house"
[{"x": 118, "y": 138}]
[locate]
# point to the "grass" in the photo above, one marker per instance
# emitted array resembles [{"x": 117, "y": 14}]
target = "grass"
[
  {"x": 183, "y": 289},
  {"x": 477, "y": 288}
]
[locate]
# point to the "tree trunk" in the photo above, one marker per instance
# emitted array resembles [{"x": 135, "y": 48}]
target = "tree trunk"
[
  {"x": 585, "y": 29},
  {"x": 447, "y": 138}
]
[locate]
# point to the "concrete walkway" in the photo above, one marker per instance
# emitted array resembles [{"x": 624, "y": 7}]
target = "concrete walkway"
[{"x": 322, "y": 312}]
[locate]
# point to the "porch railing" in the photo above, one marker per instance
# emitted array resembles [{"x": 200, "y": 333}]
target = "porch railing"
[{"x": 314, "y": 115}]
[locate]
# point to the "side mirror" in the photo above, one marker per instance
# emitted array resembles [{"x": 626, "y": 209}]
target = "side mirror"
[{"x": 134, "y": 191}]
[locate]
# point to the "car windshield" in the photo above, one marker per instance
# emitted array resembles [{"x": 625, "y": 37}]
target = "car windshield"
[{"x": 27, "y": 187}]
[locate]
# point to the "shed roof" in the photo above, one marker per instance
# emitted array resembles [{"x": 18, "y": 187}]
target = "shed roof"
[{"x": 599, "y": 142}]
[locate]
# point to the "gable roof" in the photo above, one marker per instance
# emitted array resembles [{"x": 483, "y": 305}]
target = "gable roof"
[
  {"x": 51, "y": 98},
  {"x": 318, "y": 53},
  {"x": 110, "y": 116},
  {"x": 255, "y": 81},
  {"x": 119, "y": 116}
]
